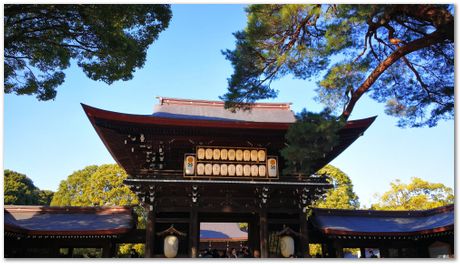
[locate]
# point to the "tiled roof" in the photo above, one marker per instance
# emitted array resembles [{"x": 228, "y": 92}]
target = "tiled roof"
[
  {"x": 369, "y": 222},
  {"x": 221, "y": 232},
  {"x": 39, "y": 220},
  {"x": 214, "y": 110}
]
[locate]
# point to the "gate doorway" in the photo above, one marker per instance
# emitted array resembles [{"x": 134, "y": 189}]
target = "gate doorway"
[{"x": 221, "y": 232}]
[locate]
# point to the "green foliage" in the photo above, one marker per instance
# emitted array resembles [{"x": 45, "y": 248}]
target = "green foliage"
[
  {"x": 109, "y": 42},
  {"x": 243, "y": 227},
  {"x": 45, "y": 197},
  {"x": 308, "y": 139},
  {"x": 124, "y": 250},
  {"x": 95, "y": 186},
  {"x": 417, "y": 195},
  {"x": 401, "y": 55},
  {"x": 100, "y": 186},
  {"x": 342, "y": 195},
  {"x": 20, "y": 190},
  {"x": 71, "y": 192}
]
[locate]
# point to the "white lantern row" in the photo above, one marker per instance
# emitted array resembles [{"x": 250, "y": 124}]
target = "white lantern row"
[
  {"x": 230, "y": 170},
  {"x": 197, "y": 168},
  {"x": 231, "y": 154}
]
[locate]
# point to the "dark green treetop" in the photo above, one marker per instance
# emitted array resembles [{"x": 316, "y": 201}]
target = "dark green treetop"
[
  {"x": 401, "y": 55},
  {"x": 18, "y": 189},
  {"x": 109, "y": 42},
  {"x": 309, "y": 139}
]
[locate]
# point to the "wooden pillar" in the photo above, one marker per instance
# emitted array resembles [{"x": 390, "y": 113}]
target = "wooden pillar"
[
  {"x": 55, "y": 249},
  {"x": 304, "y": 239},
  {"x": 384, "y": 252},
  {"x": 253, "y": 234},
  {"x": 338, "y": 249},
  {"x": 323, "y": 250},
  {"x": 107, "y": 250},
  {"x": 263, "y": 225},
  {"x": 363, "y": 252},
  {"x": 331, "y": 253},
  {"x": 150, "y": 232},
  {"x": 194, "y": 234}
]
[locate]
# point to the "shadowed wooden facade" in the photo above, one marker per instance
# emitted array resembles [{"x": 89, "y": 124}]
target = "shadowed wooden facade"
[{"x": 151, "y": 149}]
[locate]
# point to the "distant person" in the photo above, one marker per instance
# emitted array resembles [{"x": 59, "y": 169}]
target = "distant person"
[
  {"x": 246, "y": 253},
  {"x": 256, "y": 253},
  {"x": 207, "y": 254},
  {"x": 222, "y": 254},
  {"x": 233, "y": 253},
  {"x": 372, "y": 254},
  {"x": 133, "y": 253}
]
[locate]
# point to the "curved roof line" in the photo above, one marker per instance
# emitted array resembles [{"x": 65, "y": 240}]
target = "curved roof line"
[{"x": 93, "y": 112}]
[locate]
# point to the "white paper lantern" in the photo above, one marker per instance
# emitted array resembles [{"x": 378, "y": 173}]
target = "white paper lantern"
[
  {"x": 200, "y": 169},
  {"x": 261, "y": 155},
  {"x": 208, "y": 169},
  {"x": 189, "y": 165},
  {"x": 239, "y": 155},
  {"x": 223, "y": 154},
  {"x": 262, "y": 170},
  {"x": 231, "y": 154},
  {"x": 272, "y": 167},
  {"x": 253, "y": 155},
  {"x": 208, "y": 154},
  {"x": 171, "y": 246},
  {"x": 254, "y": 170},
  {"x": 247, "y": 170},
  {"x": 215, "y": 169},
  {"x": 216, "y": 154},
  {"x": 201, "y": 153},
  {"x": 287, "y": 246},
  {"x": 239, "y": 170},
  {"x": 246, "y": 155},
  {"x": 223, "y": 169},
  {"x": 231, "y": 170}
]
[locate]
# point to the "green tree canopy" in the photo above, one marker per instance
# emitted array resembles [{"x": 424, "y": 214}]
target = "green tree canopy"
[
  {"x": 342, "y": 195},
  {"x": 308, "y": 139},
  {"x": 401, "y": 55},
  {"x": 20, "y": 190},
  {"x": 95, "y": 186},
  {"x": 417, "y": 195},
  {"x": 100, "y": 186},
  {"x": 109, "y": 42}
]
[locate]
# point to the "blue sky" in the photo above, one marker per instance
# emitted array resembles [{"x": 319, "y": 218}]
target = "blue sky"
[{"x": 48, "y": 141}]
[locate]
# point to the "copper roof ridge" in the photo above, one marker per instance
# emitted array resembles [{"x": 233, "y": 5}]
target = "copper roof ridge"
[
  {"x": 68, "y": 209},
  {"x": 183, "y": 101},
  {"x": 369, "y": 212}
]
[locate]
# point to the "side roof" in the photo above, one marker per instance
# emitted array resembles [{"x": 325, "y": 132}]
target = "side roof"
[
  {"x": 383, "y": 223},
  {"x": 45, "y": 220}
]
